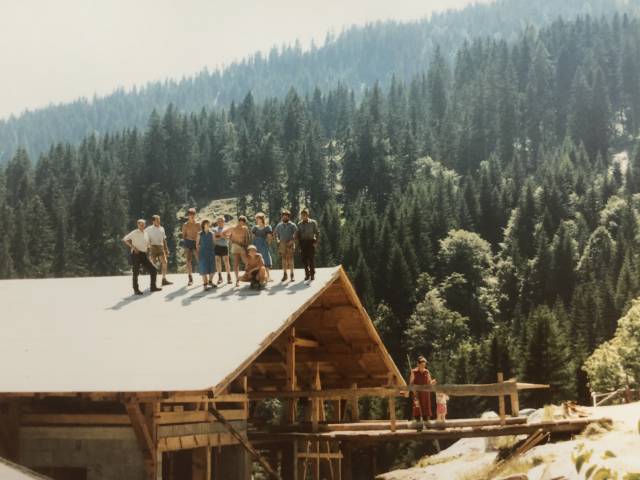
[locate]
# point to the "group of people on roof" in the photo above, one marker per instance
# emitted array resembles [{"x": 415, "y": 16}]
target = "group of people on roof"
[{"x": 211, "y": 246}]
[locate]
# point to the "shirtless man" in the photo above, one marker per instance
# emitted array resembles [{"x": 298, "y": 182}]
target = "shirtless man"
[
  {"x": 239, "y": 237},
  {"x": 256, "y": 272},
  {"x": 190, "y": 231}
]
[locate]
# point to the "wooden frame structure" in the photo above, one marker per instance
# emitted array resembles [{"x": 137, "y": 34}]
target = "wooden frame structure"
[
  {"x": 319, "y": 360},
  {"x": 326, "y": 342}
]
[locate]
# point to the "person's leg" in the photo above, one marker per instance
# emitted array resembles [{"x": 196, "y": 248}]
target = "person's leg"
[
  {"x": 151, "y": 268},
  {"x": 219, "y": 268},
  {"x": 304, "y": 256},
  {"x": 236, "y": 267},
  {"x": 290, "y": 261},
  {"x": 312, "y": 260},
  {"x": 205, "y": 281},
  {"x": 227, "y": 266},
  {"x": 283, "y": 261},
  {"x": 135, "y": 264},
  {"x": 163, "y": 264},
  {"x": 263, "y": 275},
  {"x": 188, "y": 255}
]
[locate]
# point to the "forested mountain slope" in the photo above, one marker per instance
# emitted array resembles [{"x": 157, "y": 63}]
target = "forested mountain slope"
[{"x": 356, "y": 58}]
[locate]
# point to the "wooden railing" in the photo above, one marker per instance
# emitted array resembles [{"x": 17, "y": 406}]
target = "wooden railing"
[{"x": 500, "y": 389}]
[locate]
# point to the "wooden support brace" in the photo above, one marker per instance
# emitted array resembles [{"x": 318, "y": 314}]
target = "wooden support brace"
[
  {"x": 144, "y": 436},
  {"x": 392, "y": 405},
  {"x": 245, "y": 443}
]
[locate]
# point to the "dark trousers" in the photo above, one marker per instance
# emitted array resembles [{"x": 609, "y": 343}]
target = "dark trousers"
[
  {"x": 308, "y": 254},
  {"x": 140, "y": 259}
]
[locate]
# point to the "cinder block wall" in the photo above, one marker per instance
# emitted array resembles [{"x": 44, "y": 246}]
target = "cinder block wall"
[{"x": 108, "y": 453}]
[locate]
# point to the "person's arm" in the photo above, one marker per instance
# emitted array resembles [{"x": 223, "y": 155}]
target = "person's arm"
[
  {"x": 197, "y": 242},
  {"x": 316, "y": 231},
  {"x": 184, "y": 229},
  {"x": 276, "y": 233},
  {"x": 295, "y": 233},
  {"x": 269, "y": 234},
  {"x": 127, "y": 241}
]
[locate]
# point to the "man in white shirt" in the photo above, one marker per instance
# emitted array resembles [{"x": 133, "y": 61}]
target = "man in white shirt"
[
  {"x": 159, "y": 250},
  {"x": 138, "y": 242}
]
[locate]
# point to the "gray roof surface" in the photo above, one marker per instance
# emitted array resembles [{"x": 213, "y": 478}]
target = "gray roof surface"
[
  {"x": 91, "y": 335},
  {"x": 12, "y": 471}
]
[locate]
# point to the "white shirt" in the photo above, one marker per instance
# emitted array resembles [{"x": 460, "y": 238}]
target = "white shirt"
[
  {"x": 139, "y": 239},
  {"x": 156, "y": 235}
]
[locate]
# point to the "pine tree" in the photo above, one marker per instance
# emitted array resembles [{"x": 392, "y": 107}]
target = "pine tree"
[{"x": 546, "y": 358}]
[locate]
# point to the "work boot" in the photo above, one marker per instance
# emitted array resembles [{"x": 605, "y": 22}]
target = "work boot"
[
  {"x": 155, "y": 289},
  {"x": 312, "y": 277},
  {"x": 137, "y": 292},
  {"x": 292, "y": 279},
  {"x": 284, "y": 277},
  {"x": 190, "y": 280},
  {"x": 219, "y": 278},
  {"x": 228, "y": 278},
  {"x": 166, "y": 282}
]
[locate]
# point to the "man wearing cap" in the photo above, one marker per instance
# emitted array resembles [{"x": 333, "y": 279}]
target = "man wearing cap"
[
  {"x": 285, "y": 234},
  {"x": 138, "y": 242},
  {"x": 308, "y": 235},
  {"x": 159, "y": 249},
  {"x": 190, "y": 231}
]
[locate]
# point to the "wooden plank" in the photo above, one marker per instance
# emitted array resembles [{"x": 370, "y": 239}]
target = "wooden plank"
[
  {"x": 306, "y": 343},
  {"x": 566, "y": 426},
  {"x": 75, "y": 419},
  {"x": 187, "y": 442},
  {"x": 167, "y": 418},
  {"x": 410, "y": 425},
  {"x": 314, "y": 455}
]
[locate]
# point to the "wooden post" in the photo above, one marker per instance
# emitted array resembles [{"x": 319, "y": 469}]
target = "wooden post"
[
  {"x": 353, "y": 402},
  {"x": 515, "y": 404},
  {"x": 345, "y": 469},
  {"x": 201, "y": 463},
  {"x": 501, "y": 404},
  {"x": 290, "y": 410},
  {"x": 392, "y": 404},
  {"x": 315, "y": 402}
]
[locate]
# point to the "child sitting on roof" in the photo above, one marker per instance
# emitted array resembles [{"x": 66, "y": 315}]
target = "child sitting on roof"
[{"x": 441, "y": 406}]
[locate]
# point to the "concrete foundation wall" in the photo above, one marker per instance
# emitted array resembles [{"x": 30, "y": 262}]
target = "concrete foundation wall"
[{"x": 108, "y": 453}]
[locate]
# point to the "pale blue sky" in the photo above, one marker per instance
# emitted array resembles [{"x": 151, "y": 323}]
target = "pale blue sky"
[{"x": 58, "y": 50}]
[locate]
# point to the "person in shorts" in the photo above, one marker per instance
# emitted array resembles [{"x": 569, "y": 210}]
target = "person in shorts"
[
  {"x": 221, "y": 249},
  {"x": 158, "y": 250},
  {"x": 441, "y": 406},
  {"x": 256, "y": 272},
  {"x": 239, "y": 236},
  {"x": 190, "y": 232},
  {"x": 285, "y": 234}
]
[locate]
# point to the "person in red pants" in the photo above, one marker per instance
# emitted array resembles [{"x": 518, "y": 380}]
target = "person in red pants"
[{"x": 421, "y": 400}]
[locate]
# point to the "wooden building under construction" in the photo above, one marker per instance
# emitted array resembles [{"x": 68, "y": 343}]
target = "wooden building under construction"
[{"x": 98, "y": 385}]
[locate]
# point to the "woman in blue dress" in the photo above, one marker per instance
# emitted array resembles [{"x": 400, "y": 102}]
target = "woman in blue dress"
[
  {"x": 207, "y": 256},
  {"x": 262, "y": 235}
]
